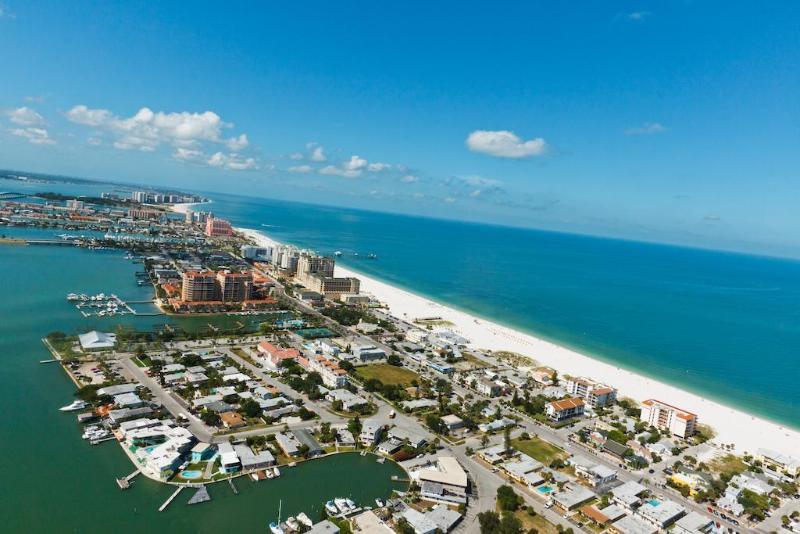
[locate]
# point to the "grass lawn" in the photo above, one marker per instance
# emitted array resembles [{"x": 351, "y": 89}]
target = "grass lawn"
[
  {"x": 728, "y": 464},
  {"x": 387, "y": 374},
  {"x": 542, "y": 525},
  {"x": 541, "y": 450}
]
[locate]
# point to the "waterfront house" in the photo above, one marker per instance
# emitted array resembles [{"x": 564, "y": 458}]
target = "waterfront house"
[
  {"x": 414, "y": 439},
  {"x": 419, "y": 522},
  {"x": 128, "y": 400},
  {"x": 371, "y": 430},
  {"x": 323, "y": 527},
  {"x": 202, "y": 452},
  {"x": 446, "y": 481},
  {"x": 390, "y": 446},
  {"x": 288, "y": 443},
  {"x": 344, "y": 438},
  {"x": 119, "y": 389},
  {"x": 117, "y": 417},
  {"x": 305, "y": 438},
  {"x": 249, "y": 459},
  {"x": 229, "y": 460}
]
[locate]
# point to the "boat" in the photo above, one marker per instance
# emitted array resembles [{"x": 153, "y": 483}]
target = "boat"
[
  {"x": 293, "y": 523},
  {"x": 76, "y": 405},
  {"x": 276, "y": 472},
  {"x": 72, "y": 296},
  {"x": 275, "y": 526},
  {"x": 338, "y": 253},
  {"x": 304, "y": 519},
  {"x": 269, "y": 472},
  {"x": 380, "y": 503},
  {"x": 330, "y": 507},
  {"x": 341, "y": 504},
  {"x": 350, "y": 504}
]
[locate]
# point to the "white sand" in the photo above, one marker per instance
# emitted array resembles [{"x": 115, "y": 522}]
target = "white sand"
[{"x": 746, "y": 431}]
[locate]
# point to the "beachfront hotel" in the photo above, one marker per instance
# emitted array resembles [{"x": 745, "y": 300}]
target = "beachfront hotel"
[
  {"x": 316, "y": 273},
  {"x": 667, "y": 417},
  {"x": 218, "y": 227}
]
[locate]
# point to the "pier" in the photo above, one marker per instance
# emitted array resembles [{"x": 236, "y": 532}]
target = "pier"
[
  {"x": 170, "y": 499},
  {"x": 200, "y": 496},
  {"x": 125, "y": 483},
  {"x": 233, "y": 486}
]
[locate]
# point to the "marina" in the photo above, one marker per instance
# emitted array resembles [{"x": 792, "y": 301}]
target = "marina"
[{"x": 102, "y": 305}]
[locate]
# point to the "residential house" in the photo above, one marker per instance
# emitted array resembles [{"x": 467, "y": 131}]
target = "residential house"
[{"x": 561, "y": 410}]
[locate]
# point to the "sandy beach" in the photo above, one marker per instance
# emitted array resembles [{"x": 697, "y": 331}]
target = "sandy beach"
[{"x": 746, "y": 431}]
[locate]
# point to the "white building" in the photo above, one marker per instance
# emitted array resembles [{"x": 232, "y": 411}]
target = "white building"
[
  {"x": 95, "y": 340},
  {"x": 667, "y": 417},
  {"x": 595, "y": 394}
]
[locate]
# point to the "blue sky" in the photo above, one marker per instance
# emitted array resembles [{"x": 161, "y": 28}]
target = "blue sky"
[{"x": 662, "y": 121}]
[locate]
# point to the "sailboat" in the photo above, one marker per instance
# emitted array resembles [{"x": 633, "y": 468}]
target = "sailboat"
[{"x": 275, "y": 526}]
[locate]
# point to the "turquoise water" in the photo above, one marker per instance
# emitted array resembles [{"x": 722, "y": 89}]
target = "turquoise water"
[
  {"x": 545, "y": 490},
  {"x": 190, "y": 474}
]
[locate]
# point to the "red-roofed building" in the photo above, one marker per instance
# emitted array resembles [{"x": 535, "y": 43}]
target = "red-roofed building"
[
  {"x": 664, "y": 416},
  {"x": 273, "y": 355}
]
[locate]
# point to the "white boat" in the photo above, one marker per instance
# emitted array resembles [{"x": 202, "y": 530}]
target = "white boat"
[
  {"x": 293, "y": 523},
  {"x": 269, "y": 473},
  {"x": 76, "y": 405},
  {"x": 276, "y": 472},
  {"x": 350, "y": 504},
  {"x": 275, "y": 526},
  {"x": 380, "y": 503},
  {"x": 341, "y": 504},
  {"x": 304, "y": 519},
  {"x": 330, "y": 507}
]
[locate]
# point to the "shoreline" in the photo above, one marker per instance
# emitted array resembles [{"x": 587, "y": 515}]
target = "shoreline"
[{"x": 746, "y": 431}]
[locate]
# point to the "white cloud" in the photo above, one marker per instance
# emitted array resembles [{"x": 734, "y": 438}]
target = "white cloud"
[
  {"x": 25, "y": 116},
  {"x": 647, "y": 128},
  {"x": 35, "y": 99},
  {"x": 297, "y": 156},
  {"x": 638, "y": 15},
  {"x": 333, "y": 170},
  {"x": 238, "y": 143},
  {"x": 301, "y": 169},
  {"x": 36, "y": 136},
  {"x": 505, "y": 144},
  {"x": 147, "y": 129},
  {"x": 378, "y": 167},
  {"x": 409, "y": 179},
  {"x": 317, "y": 152},
  {"x": 233, "y": 162},
  {"x": 94, "y": 141},
  {"x": 449, "y": 200}
]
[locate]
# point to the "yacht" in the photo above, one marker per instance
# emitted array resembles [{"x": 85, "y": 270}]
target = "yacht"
[
  {"x": 276, "y": 472},
  {"x": 350, "y": 504},
  {"x": 341, "y": 504},
  {"x": 76, "y": 405},
  {"x": 330, "y": 507},
  {"x": 304, "y": 519},
  {"x": 380, "y": 503},
  {"x": 293, "y": 523}
]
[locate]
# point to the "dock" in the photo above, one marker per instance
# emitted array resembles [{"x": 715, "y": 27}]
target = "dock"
[
  {"x": 125, "y": 482},
  {"x": 48, "y": 361},
  {"x": 170, "y": 499},
  {"x": 200, "y": 496},
  {"x": 233, "y": 486}
]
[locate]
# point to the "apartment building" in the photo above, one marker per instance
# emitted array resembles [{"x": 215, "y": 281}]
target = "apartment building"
[
  {"x": 235, "y": 287},
  {"x": 664, "y": 416},
  {"x": 593, "y": 393},
  {"x": 199, "y": 286}
]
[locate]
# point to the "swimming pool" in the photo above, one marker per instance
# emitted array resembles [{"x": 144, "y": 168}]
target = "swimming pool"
[
  {"x": 190, "y": 474},
  {"x": 545, "y": 490},
  {"x": 653, "y": 502}
]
